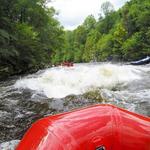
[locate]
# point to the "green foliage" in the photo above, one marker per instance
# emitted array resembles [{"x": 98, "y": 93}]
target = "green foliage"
[
  {"x": 107, "y": 8},
  {"x": 118, "y": 35},
  {"x": 104, "y": 47},
  {"x": 4, "y": 35},
  {"x": 29, "y": 35},
  {"x": 89, "y": 23},
  {"x": 90, "y": 52}
]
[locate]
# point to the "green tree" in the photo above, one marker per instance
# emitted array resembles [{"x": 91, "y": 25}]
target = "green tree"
[
  {"x": 29, "y": 35},
  {"x": 107, "y": 8},
  {"x": 104, "y": 47},
  {"x": 90, "y": 52}
]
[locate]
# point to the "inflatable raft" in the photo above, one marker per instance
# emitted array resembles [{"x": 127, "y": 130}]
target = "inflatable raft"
[
  {"x": 99, "y": 127},
  {"x": 67, "y": 64},
  {"x": 142, "y": 61}
]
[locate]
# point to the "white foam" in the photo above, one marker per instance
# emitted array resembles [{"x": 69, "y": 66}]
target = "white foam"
[
  {"x": 59, "y": 82},
  {"x": 10, "y": 145}
]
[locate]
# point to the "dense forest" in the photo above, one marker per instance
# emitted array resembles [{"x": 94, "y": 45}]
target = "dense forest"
[
  {"x": 122, "y": 35},
  {"x": 31, "y": 37}
]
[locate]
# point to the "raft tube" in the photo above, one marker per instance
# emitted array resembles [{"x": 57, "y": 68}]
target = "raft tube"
[
  {"x": 142, "y": 61},
  {"x": 99, "y": 127}
]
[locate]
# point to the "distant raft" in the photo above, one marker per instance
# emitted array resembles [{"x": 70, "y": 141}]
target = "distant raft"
[
  {"x": 67, "y": 64},
  {"x": 142, "y": 61}
]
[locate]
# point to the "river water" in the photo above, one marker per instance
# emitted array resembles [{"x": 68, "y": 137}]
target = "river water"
[{"x": 59, "y": 89}]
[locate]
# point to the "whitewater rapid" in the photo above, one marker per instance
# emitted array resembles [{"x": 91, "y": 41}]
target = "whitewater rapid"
[
  {"x": 59, "y": 82},
  {"x": 23, "y": 100}
]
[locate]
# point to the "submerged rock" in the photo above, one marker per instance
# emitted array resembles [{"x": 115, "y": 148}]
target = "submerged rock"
[{"x": 94, "y": 95}]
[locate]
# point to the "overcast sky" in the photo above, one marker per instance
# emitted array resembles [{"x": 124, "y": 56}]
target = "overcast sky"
[{"x": 73, "y": 12}]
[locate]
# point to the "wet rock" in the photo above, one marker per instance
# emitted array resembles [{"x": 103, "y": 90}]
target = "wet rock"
[
  {"x": 39, "y": 107},
  {"x": 94, "y": 95},
  {"x": 143, "y": 108}
]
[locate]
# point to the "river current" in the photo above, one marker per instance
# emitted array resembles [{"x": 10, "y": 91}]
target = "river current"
[{"x": 24, "y": 99}]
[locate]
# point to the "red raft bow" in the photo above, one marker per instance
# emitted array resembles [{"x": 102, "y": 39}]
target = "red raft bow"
[{"x": 99, "y": 127}]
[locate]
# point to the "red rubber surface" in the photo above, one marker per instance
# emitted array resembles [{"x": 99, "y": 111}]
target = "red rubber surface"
[{"x": 89, "y": 128}]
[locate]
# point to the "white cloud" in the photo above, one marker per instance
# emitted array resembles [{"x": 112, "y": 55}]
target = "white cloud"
[{"x": 73, "y": 12}]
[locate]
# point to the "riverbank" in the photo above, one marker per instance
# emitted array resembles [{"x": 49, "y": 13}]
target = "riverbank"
[{"x": 6, "y": 72}]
